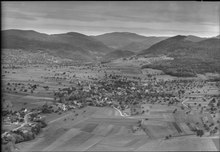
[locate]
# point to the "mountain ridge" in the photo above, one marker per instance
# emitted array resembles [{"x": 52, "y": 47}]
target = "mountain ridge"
[
  {"x": 67, "y": 45},
  {"x": 127, "y": 41}
]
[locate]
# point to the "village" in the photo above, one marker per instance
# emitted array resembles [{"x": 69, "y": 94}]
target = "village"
[{"x": 133, "y": 97}]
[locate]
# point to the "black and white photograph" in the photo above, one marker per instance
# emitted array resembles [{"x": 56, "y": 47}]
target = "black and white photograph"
[{"x": 110, "y": 76}]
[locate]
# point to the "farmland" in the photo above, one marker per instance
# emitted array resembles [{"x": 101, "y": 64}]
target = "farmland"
[{"x": 106, "y": 122}]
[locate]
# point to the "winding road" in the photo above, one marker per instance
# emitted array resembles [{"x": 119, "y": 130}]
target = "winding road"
[{"x": 123, "y": 115}]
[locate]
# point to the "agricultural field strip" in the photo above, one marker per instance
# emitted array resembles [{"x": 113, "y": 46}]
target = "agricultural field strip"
[
  {"x": 52, "y": 121},
  {"x": 37, "y": 97},
  {"x": 156, "y": 144},
  {"x": 152, "y": 143},
  {"x": 137, "y": 140},
  {"x": 65, "y": 137},
  {"x": 9, "y": 94},
  {"x": 89, "y": 143},
  {"x": 28, "y": 96},
  {"x": 113, "y": 120},
  {"x": 30, "y": 145}
]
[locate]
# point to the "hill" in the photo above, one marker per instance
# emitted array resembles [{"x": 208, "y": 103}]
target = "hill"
[
  {"x": 127, "y": 41},
  {"x": 138, "y": 46},
  {"x": 167, "y": 46},
  {"x": 190, "y": 57},
  {"x": 194, "y": 38},
  {"x": 68, "y": 45},
  {"x": 180, "y": 46},
  {"x": 81, "y": 41}
]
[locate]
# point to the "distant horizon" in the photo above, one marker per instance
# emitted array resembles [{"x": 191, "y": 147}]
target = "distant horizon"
[
  {"x": 110, "y": 33},
  {"x": 147, "y": 18}
]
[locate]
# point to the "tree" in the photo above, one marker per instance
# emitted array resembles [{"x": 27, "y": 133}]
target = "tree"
[
  {"x": 199, "y": 133},
  {"x": 175, "y": 111}
]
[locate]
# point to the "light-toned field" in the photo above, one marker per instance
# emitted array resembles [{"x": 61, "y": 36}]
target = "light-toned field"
[
  {"x": 180, "y": 144},
  {"x": 24, "y": 101},
  {"x": 103, "y": 129}
]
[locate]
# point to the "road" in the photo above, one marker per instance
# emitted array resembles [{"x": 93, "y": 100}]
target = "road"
[
  {"x": 25, "y": 121},
  {"x": 184, "y": 104},
  {"x": 123, "y": 115}
]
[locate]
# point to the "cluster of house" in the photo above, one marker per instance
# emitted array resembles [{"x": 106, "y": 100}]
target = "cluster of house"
[
  {"x": 20, "y": 57},
  {"x": 60, "y": 107},
  {"x": 29, "y": 125},
  {"x": 123, "y": 93}
]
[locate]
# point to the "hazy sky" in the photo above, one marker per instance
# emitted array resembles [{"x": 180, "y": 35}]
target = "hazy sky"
[{"x": 93, "y": 17}]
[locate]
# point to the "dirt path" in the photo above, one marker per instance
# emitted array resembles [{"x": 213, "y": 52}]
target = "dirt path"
[
  {"x": 25, "y": 121},
  {"x": 123, "y": 115}
]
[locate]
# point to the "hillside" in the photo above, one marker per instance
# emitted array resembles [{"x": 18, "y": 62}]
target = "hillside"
[
  {"x": 138, "y": 46},
  {"x": 181, "y": 46},
  {"x": 190, "y": 57},
  {"x": 117, "y": 54},
  {"x": 81, "y": 41},
  {"x": 194, "y": 38},
  {"x": 127, "y": 41},
  {"x": 68, "y": 45},
  {"x": 167, "y": 46}
]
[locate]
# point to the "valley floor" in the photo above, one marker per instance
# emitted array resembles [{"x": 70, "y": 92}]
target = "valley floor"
[{"x": 102, "y": 128}]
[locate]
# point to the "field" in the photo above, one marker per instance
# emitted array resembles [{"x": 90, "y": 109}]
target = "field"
[{"x": 103, "y": 129}]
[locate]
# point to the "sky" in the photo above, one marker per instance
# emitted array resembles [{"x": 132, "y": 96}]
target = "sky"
[{"x": 147, "y": 18}]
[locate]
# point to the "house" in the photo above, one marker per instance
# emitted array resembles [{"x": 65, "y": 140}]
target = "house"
[
  {"x": 87, "y": 88},
  {"x": 62, "y": 106}
]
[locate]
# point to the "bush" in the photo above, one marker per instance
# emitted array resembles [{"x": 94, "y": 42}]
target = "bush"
[{"x": 18, "y": 138}]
